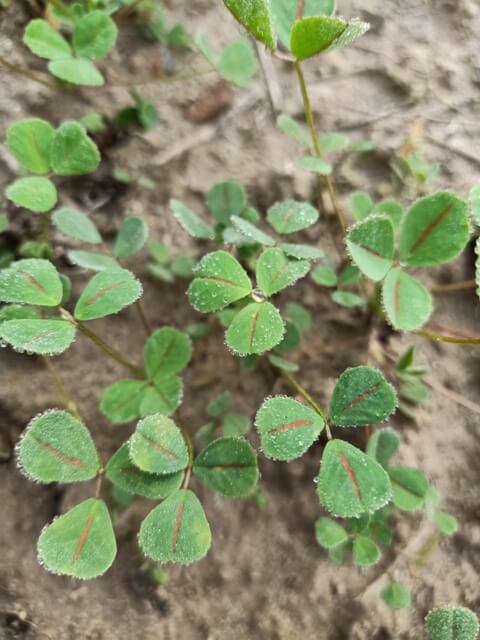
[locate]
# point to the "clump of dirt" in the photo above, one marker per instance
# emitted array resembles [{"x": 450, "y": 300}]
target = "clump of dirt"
[{"x": 265, "y": 577}]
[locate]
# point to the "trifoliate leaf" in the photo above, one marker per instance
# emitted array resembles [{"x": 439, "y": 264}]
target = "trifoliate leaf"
[
  {"x": 177, "y": 530},
  {"x": 80, "y": 543},
  {"x": 73, "y": 152},
  {"x": 219, "y": 280},
  {"x": 329, "y": 533},
  {"x": 475, "y": 204},
  {"x": 30, "y": 141},
  {"x": 284, "y": 14},
  {"x": 291, "y": 127},
  {"x": 396, "y": 595},
  {"x": 121, "y": 400},
  {"x": 238, "y": 63},
  {"x": 311, "y": 36},
  {"x": 434, "y": 231},
  {"x": 325, "y": 276},
  {"x": 256, "y": 17},
  {"x": 257, "y": 328},
  {"x": 106, "y": 293},
  {"x": 383, "y": 444},
  {"x": 163, "y": 396},
  {"x": 275, "y": 271},
  {"x": 56, "y": 447},
  {"x": 362, "y": 396},
  {"x": 46, "y": 337},
  {"x": 157, "y": 446},
  {"x": 44, "y": 41},
  {"x": 354, "y": 30},
  {"x": 124, "y": 474},
  {"x": 452, "y": 623},
  {"x": 131, "y": 237},
  {"x": 94, "y": 261},
  {"x": 350, "y": 482},
  {"x": 252, "y": 233},
  {"x": 189, "y": 220},
  {"x": 287, "y": 428},
  {"x": 31, "y": 281},
  {"x": 94, "y": 35},
  {"x": 34, "y": 193},
  {"x": 228, "y": 465},
  {"x": 235, "y": 424},
  {"x": 301, "y": 251},
  {"x": 226, "y": 199},
  {"x": 365, "y": 552},
  {"x": 361, "y": 205},
  {"x": 76, "y": 224},
  {"x": 167, "y": 351},
  {"x": 291, "y": 216},
  {"x": 315, "y": 165},
  {"x": 80, "y": 71},
  {"x": 407, "y": 303},
  {"x": 370, "y": 244},
  {"x": 409, "y": 486}
]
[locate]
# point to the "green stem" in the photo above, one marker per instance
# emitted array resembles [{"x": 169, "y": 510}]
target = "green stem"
[
  {"x": 304, "y": 393},
  {"x": 437, "y": 337},
  {"x": 21, "y": 71},
  {"x": 143, "y": 317},
  {"x": 61, "y": 388}
]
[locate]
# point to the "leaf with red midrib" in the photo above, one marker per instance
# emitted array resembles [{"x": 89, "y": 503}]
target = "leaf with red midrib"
[
  {"x": 31, "y": 281},
  {"x": 158, "y": 446},
  {"x": 106, "y": 293}
]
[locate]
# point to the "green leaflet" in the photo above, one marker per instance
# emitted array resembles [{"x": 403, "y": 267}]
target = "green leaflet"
[
  {"x": 287, "y": 428},
  {"x": 79, "y": 71},
  {"x": 121, "y": 471},
  {"x": 80, "y": 543},
  {"x": 362, "y": 396},
  {"x": 365, "y": 552},
  {"x": 291, "y": 216},
  {"x": 475, "y": 204},
  {"x": 300, "y": 316},
  {"x": 76, "y": 224},
  {"x": 219, "y": 405},
  {"x": 301, "y": 251},
  {"x": 392, "y": 209},
  {"x": 324, "y": 276},
  {"x": 157, "y": 446},
  {"x": 30, "y": 141},
  {"x": 226, "y": 199},
  {"x": 106, "y": 293},
  {"x": 311, "y": 36},
  {"x": 315, "y": 165},
  {"x": 219, "y": 280},
  {"x": 350, "y": 482},
  {"x": 434, "y": 231},
  {"x": 56, "y": 447},
  {"x": 347, "y": 299},
  {"x": 31, "y": 281},
  {"x": 383, "y": 444},
  {"x": 252, "y": 233},
  {"x": 257, "y": 328},
  {"x": 396, "y": 595},
  {"x": 330, "y": 534},
  {"x": 189, "y": 220},
  {"x": 93, "y": 261},
  {"x": 291, "y": 338},
  {"x": 228, "y": 465},
  {"x": 354, "y": 30},
  {"x": 370, "y": 244},
  {"x": 284, "y": 14},
  {"x": 18, "y": 312},
  {"x": 361, "y": 205},
  {"x": 47, "y": 337},
  {"x": 282, "y": 363},
  {"x": 409, "y": 486},
  {"x": 275, "y": 271},
  {"x": 131, "y": 237},
  {"x": 256, "y": 17},
  {"x": 238, "y": 63},
  {"x": 94, "y": 35},
  {"x": 407, "y": 303},
  {"x": 334, "y": 141},
  {"x": 44, "y": 41},
  {"x": 34, "y": 193},
  {"x": 235, "y": 424},
  {"x": 164, "y": 396},
  {"x": 120, "y": 401},
  {"x": 73, "y": 153},
  {"x": 452, "y": 623},
  {"x": 177, "y": 530},
  {"x": 446, "y": 523},
  {"x": 167, "y": 351},
  {"x": 290, "y": 126}
]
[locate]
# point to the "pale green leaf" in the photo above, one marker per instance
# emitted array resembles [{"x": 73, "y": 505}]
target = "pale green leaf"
[
  {"x": 355, "y": 29},
  {"x": 76, "y": 224},
  {"x": 94, "y": 35},
  {"x": 334, "y": 141},
  {"x": 365, "y": 552},
  {"x": 281, "y": 363},
  {"x": 238, "y": 63},
  {"x": 330, "y": 534},
  {"x": 121, "y": 400},
  {"x": 79, "y": 71},
  {"x": 73, "y": 153},
  {"x": 300, "y": 316},
  {"x": 287, "y": 428},
  {"x": 315, "y": 165},
  {"x": 157, "y": 446},
  {"x": 396, "y": 595},
  {"x": 475, "y": 204},
  {"x": 44, "y": 41},
  {"x": 34, "y": 193},
  {"x": 256, "y": 17},
  {"x": 406, "y": 301},
  {"x": 324, "y": 276},
  {"x": 30, "y": 141},
  {"x": 370, "y": 244},
  {"x": 252, "y": 233},
  {"x": 131, "y": 237},
  {"x": 311, "y": 36},
  {"x": 348, "y": 299},
  {"x": 392, "y": 209},
  {"x": 446, "y": 523},
  {"x": 219, "y": 405},
  {"x": 189, "y": 220},
  {"x": 255, "y": 329},
  {"x": 291, "y": 216},
  {"x": 292, "y": 128},
  {"x": 361, "y": 205},
  {"x": 274, "y": 271},
  {"x": 235, "y": 424},
  {"x": 46, "y": 337},
  {"x": 80, "y": 543},
  {"x": 56, "y": 447},
  {"x": 106, "y": 293},
  {"x": 31, "y": 281},
  {"x": 94, "y": 261},
  {"x": 301, "y": 251}
]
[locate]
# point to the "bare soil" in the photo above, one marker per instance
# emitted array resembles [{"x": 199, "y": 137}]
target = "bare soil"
[{"x": 265, "y": 577}]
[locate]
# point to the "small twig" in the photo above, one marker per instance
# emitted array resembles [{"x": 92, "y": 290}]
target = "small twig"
[
  {"x": 26, "y": 73},
  {"x": 437, "y": 337},
  {"x": 453, "y": 286},
  {"x": 470, "y": 157},
  {"x": 143, "y": 317},
  {"x": 269, "y": 73},
  {"x": 454, "y": 396},
  {"x": 65, "y": 396},
  {"x": 301, "y": 4}
]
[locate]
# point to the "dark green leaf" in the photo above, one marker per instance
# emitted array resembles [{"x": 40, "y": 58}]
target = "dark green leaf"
[
  {"x": 396, "y": 595},
  {"x": 370, "y": 244},
  {"x": 311, "y": 36},
  {"x": 383, "y": 444},
  {"x": 164, "y": 396},
  {"x": 167, "y": 352},
  {"x": 452, "y": 623},
  {"x": 256, "y": 17},
  {"x": 131, "y": 237},
  {"x": 284, "y": 14},
  {"x": 235, "y": 424},
  {"x": 219, "y": 405},
  {"x": 365, "y": 552},
  {"x": 226, "y": 199}
]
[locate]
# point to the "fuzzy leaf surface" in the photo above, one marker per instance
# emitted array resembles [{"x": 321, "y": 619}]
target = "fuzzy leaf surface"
[
  {"x": 73, "y": 152},
  {"x": 301, "y": 251},
  {"x": 409, "y": 486},
  {"x": 383, "y": 444},
  {"x": 252, "y": 233},
  {"x": 157, "y": 446},
  {"x": 189, "y": 220},
  {"x": 285, "y": 11},
  {"x": 256, "y": 17},
  {"x": 76, "y": 224},
  {"x": 30, "y": 141},
  {"x": 406, "y": 301},
  {"x": 396, "y": 595},
  {"x": 287, "y": 427},
  {"x": 80, "y": 71},
  {"x": 355, "y": 29},
  {"x": 452, "y": 623},
  {"x": 106, "y": 293},
  {"x": 34, "y": 193},
  {"x": 56, "y": 447},
  {"x": 131, "y": 237},
  {"x": 31, "y": 281},
  {"x": 330, "y": 534},
  {"x": 291, "y": 216},
  {"x": 257, "y": 328},
  {"x": 365, "y": 552},
  {"x": 370, "y": 244},
  {"x": 275, "y": 271},
  {"x": 46, "y": 337},
  {"x": 94, "y": 35},
  {"x": 94, "y": 261},
  {"x": 311, "y": 36}
]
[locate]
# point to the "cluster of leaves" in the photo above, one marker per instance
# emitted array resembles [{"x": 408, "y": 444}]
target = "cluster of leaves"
[
  {"x": 165, "y": 267},
  {"x": 143, "y": 113},
  {"x": 433, "y": 231},
  {"x": 412, "y": 389},
  {"x": 236, "y": 62},
  {"x": 444, "y": 623},
  {"x": 158, "y": 28},
  {"x": 222, "y": 419},
  {"x": 42, "y": 150},
  {"x": 93, "y": 36}
]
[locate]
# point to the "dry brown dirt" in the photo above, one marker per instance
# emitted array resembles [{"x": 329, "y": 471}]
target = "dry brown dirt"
[{"x": 265, "y": 578}]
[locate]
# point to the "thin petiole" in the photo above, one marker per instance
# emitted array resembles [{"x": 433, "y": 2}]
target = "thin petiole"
[
  {"x": 306, "y": 396},
  {"x": 143, "y": 317},
  {"x": 438, "y": 337},
  {"x": 65, "y": 396}
]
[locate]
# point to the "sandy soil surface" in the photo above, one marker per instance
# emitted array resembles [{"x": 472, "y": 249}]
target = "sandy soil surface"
[{"x": 265, "y": 577}]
